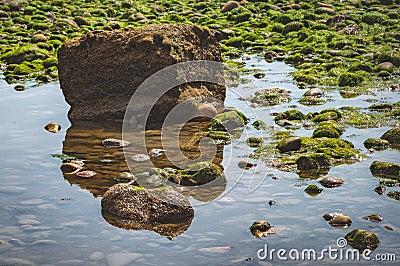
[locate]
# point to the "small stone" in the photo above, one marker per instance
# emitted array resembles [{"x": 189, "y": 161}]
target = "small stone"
[
  {"x": 316, "y": 92},
  {"x": 70, "y": 168},
  {"x": 313, "y": 190},
  {"x": 271, "y": 202},
  {"x": 53, "y": 127},
  {"x": 380, "y": 190},
  {"x": 270, "y": 56},
  {"x": 114, "y": 143},
  {"x": 376, "y": 218},
  {"x": 338, "y": 219},
  {"x": 86, "y": 174},
  {"x": 140, "y": 157},
  {"x": 81, "y": 21},
  {"x": 39, "y": 38},
  {"x": 376, "y": 144},
  {"x": 246, "y": 164},
  {"x": 261, "y": 229},
  {"x": 386, "y": 66},
  {"x": 259, "y": 75},
  {"x": 20, "y": 87},
  {"x": 126, "y": 177},
  {"x": 394, "y": 195},
  {"x": 388, "y": 227},
  {"x": 156, "y": 152},
  {"x": 228, "y": 6},
  {"x": 331, "y": 181}
]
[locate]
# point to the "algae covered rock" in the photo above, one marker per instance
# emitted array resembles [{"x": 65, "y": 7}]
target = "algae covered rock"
[
  {"x": 362, "y": 239},
  {"x": 338, "y": 219},
  {"x": 377, "y": 144},
  {"x": 313, "y": 162},
  {"x": 376, "y": 218},
  {"x": 393, "y": 136},
  {"x": 270, "y": 97},
  {"x": 394, "y": 195},
  {"x": 313, "y": 190},
  {"x": 254, "y": 142},
  {"x": 289, "y": 118},
  {"x": 385, "y": 169},
  {"x": 229, "y": 120},
  {"x": 261, "y": 229},
  {"x": 195, "y": 175}
]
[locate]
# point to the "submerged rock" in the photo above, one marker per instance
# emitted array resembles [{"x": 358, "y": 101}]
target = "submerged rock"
[
  {"x": 98, "y": 84},
  {"x": 140, "y": 157},
  {"x": 53, "y": 127},
  {"x": 313, "y": 162},
  {"x": 125, "y": 177},
  {"x": 246, "y": 164},
  {"x": 376, "y": 218},
  {"x": 229, "y": 121},
  {"x": 270, "y": 97},
  {"x": 259, "y": 124},
  {"x": 393, "y": 136},
  {"x": 289, "y": 115},
  {"x": 338, "y": 219},
  {"x": 380, "y": 189},
  {"x": 86, "y": 174},
  {"x": 331, "y": 181},
  {"x": 385, "y": 169},
  {"x": 313, "y": 190},
  {"x": 114, "y": 143},
  {"x": 162, "y": 210},
  {"x": 70, "y": 168},
  {"x": 362, "y": 239},
  {"x": 254, "y": 142},
  {"x": 377, "y": 144}
]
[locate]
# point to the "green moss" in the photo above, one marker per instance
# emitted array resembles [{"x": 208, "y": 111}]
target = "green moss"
[
  {"x": 220, "y": 137},
  {"x": 393, "y": 137},
  {"x": 394, "y": 195},
  {"x": 270, "y": 97},
  {"x": 228, "y": 121},
  {"x": 23, "y": 53},
  {"x": 326, "y": 116},
  {"x": 235, "y": 42},
  {"x": 290, "y": 115},
  {"x": 313, "y": 162},
  {"x": 325, "y": 131},
  {"x": 259, "y": 124},
  {"x": 292, "y": 26},
  {"x": 350, "y": 79},
  {"x": 374, "y": 17},
  {"x": 254, "y": 142},
  {"x": 394, "y": 58},
  {"x": 377, "y": 144},
  {"x": 311, "y": 100},
  {"x": 200, "y": 174},
  {"x": 385, "y": 169},
  {"x": 313, "y": 190},
  {"x": 381, "y": 107}
]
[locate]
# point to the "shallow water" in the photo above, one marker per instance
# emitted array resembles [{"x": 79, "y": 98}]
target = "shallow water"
[{"x": 48, "y": 218}]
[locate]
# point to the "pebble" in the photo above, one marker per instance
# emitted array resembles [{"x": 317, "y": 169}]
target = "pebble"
[
  {"x": 140, "y": 157},
  {"x": 114, "y": 143},
  {"x": 246, "y": 164},
  {"x": 53, "y": 127},
  {"x": 376, "y": 218},
  {"x": 86, "y": 174},
  {"x": 156, "y": 152}
]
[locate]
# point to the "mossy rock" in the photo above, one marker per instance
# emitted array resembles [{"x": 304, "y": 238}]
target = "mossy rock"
[
  {"x": 270, "y": 97},
  {"x": 362, "y": 239},
  {"x": 377, "y": 144},
  {"x": 254, "y": 142},
  {"x": 394, "y": 58},
  {"x": 394, "y": 195},
  {"x": 259, "y": 124},
  {"x": 325, "y": 131},
  {"x": 313, "y": 190},
  {"x": 385, "y": 169},
  {"x": 381, "y": 107},
  {"x": 326, "y": 116},
  {"x": 292, "y": 26},
  {"x": 313, "y": 162},
  {"x": 220, "y": 137},
  {"x": 332, "y": 124},
  {"x": 200, "y": 174},
  {"x": 311, "y": 101},
  {"x": 350, "y": 79},
  {"x": 292, "y": 115},
  {"x": 289, "y": 144},
  {"x": 339, "y": 149},
  {"x": 393, "y": 136},
  {"x": 229, "y": 121},
  {"x": 24, "y": 53},
  {"x": 374, "y": 17}
]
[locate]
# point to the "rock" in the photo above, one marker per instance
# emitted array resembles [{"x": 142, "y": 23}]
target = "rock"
[
  {"x": 380, "y": 189},
  {"x": 385, "y": 169},
  {"x": 259, "y": 75},
  {"x": 246, "y": 164},
  {"x": 86, "y": 174},
  {"x": 327, "y": 130},
  {"x": 313, "y": 190},
  {"x": 376, "y": 218},
  {"x": 156, "y": 152},
  {"x": 70, "y": 168},
  {"x": 206, "y": 111},
  {"x": 393, "y": 136},
  {"x": 81, "y": 21},
  {"x": 331, "y": 181},
  {"x": 259, "y": 124},
  {"x": 289, "y": 144},
  {"x": 114, "y": 143},
  {"x": 228, "y": 6},
  {"x": 196, "y": 174},
  {"x": 53, "y": 127},
  {"x": 220, "y": 137},
  {"x": 271, "y": 202},
  {"x": 270, "y": 97},
  {"x": 376, "y": 144},
  {"x": 338, "y": 219},
  {"x": 386, "y": 66},
  {"x": 20, "y": 87},
  {"x": 140, "y": 157},
  {"x": 270, "y": 56},
  {"x": 101, "y": 85},
  {"x": 312, "y": 162},
  {"x": 394, "y": 195},
  {"x": 39, "y": 37},
  {"x": 229, "y": 121},
  {"x": 162, "y": 210},
  {"x": 261, "y": 229},
  {"x": 316, "y": 92},
  {"x": 125, "y": 177},
  {"x": 254, "y": 142},
  {"x": 362, "y": 239},
  {"x": 289, "y": 118},
  {"x": 381, "y": 107}
]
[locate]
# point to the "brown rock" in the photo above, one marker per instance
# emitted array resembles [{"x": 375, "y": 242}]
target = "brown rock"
[
  {"x": 386, "y": 66},
  {"x": 290, "y": 144},
  {"x": 101, "y": 71},
  {"x": 39, "y": 38},
  {"x": 228, "y": 6}
]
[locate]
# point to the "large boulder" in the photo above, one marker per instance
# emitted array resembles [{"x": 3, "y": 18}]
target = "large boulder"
[
  {"x": 100, "y": 71},
  {"x": 156, "y": 209}
]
